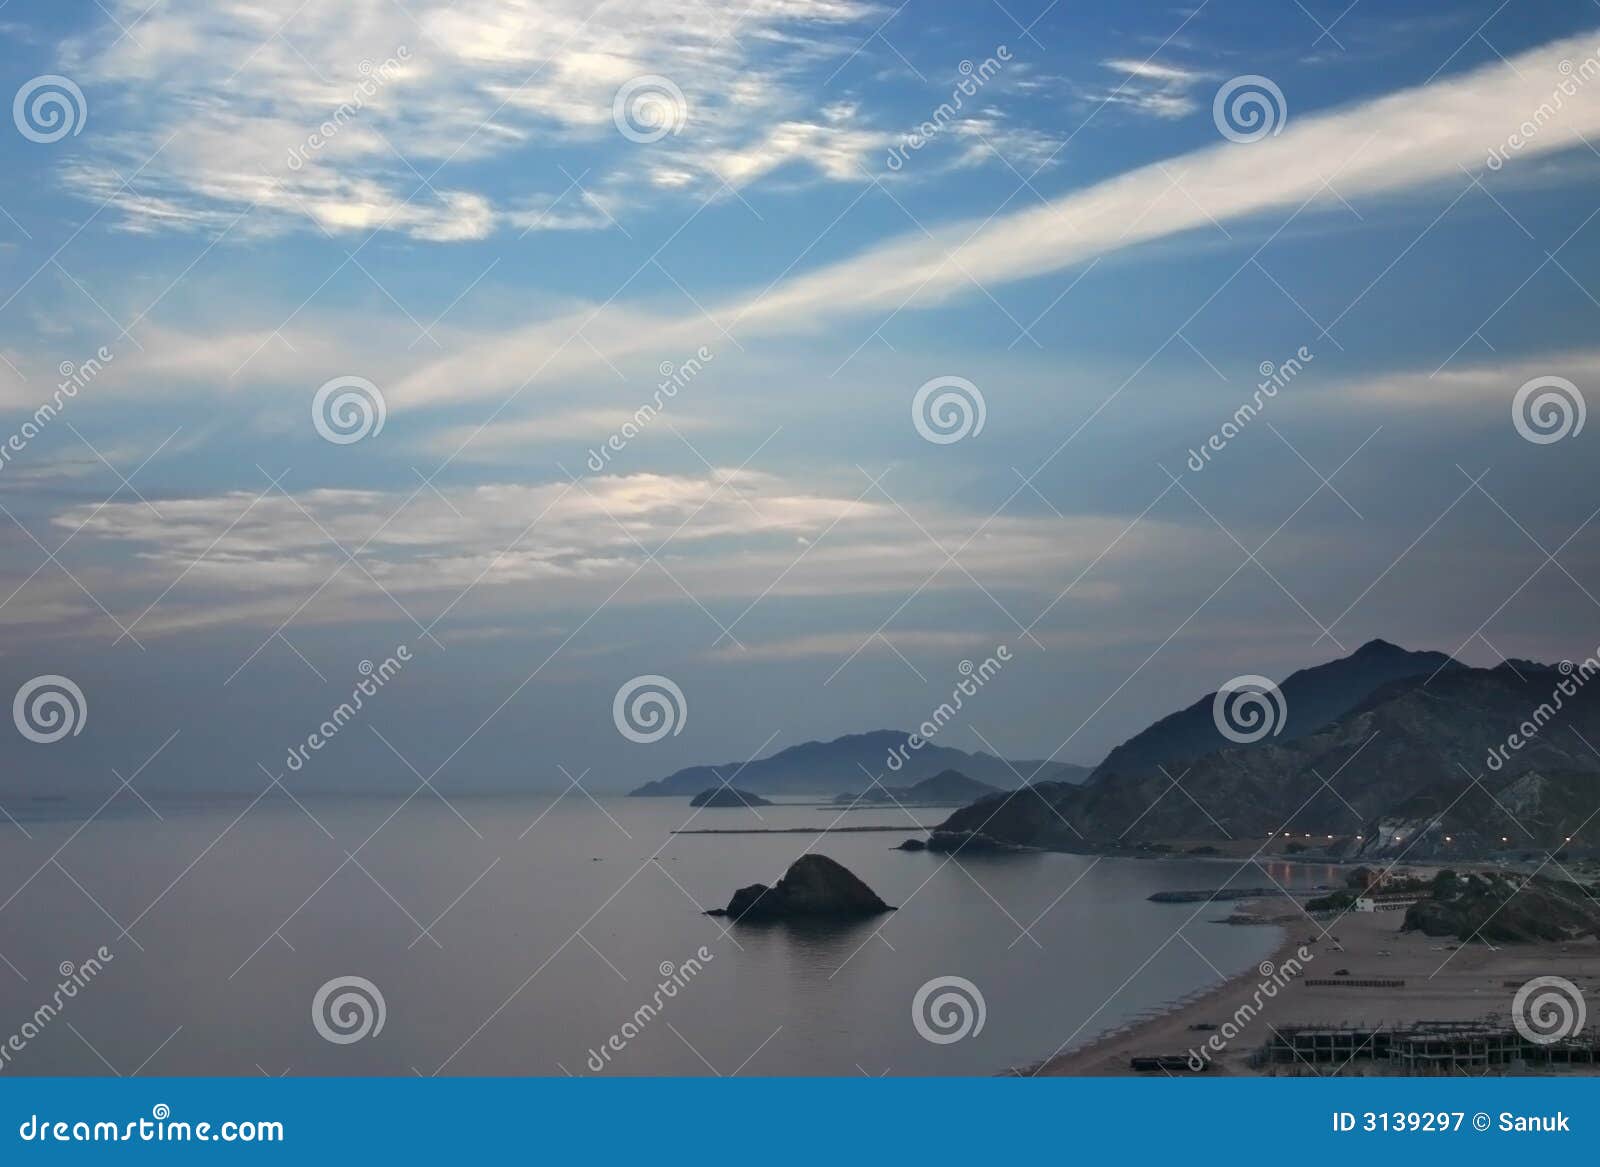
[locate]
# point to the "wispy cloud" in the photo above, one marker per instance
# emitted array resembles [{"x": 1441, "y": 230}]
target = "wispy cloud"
[
  {"x": 724, "y": 535},
  {"x": 1151, "y": 87},
  {"x": 1400, "y": 142},
  {"x": 360, "y": 115}
]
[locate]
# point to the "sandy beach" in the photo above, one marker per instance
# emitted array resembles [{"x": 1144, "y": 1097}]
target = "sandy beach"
[{"x": 1443, "y": 982}]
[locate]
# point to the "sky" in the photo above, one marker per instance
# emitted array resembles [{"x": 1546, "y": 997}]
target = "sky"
[{"x": 800, "y": 354}]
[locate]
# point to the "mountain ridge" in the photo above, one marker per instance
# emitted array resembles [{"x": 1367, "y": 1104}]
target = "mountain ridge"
[
  {"x": 1421, "y": 765},
  {"x": 848, "y": 763}
]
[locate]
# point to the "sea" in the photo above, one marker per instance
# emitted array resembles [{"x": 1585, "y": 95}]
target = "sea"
[{"x": 563, "y": 934}]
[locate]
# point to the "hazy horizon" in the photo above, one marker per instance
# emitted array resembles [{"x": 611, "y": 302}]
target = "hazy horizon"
[{"x": 651, "y": 317}]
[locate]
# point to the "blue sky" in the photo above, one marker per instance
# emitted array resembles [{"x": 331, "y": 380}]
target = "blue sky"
[{"x": 485, "y": 241}]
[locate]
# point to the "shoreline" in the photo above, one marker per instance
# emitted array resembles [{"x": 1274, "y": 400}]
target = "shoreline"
[
  {"x": 1364, "y": 972},
  {"x": 1109, "y": 1053}
]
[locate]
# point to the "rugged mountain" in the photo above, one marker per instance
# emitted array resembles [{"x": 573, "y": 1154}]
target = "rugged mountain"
[
  {"x": 1312, "y": 698},
  {"x": 947, "y": 788},
  {"x": 1407, "y": 769},
  {"x": 849, "y": 763}
]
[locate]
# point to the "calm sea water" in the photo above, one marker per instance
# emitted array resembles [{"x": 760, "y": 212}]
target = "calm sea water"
[{"x": 547, "y": 928}]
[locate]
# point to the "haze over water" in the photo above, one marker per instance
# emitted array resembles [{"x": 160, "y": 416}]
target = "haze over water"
[{"x": 513, "y": 987}]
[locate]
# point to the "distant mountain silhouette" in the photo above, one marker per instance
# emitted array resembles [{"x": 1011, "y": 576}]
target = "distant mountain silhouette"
[
  {"x": 946, "y": 788},
  {"x": 1313, "y": 698},
  {"x": 1406, "y": 770},
  {"x": 851, "y": 762}
]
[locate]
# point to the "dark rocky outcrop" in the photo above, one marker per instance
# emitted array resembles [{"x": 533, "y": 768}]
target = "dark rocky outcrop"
[
  {"x": 723, "y": 796},
  {"x": 913, "y": 844},
  {"x": 814, "y": 888},
  {"x": 1504, "y": 909}
]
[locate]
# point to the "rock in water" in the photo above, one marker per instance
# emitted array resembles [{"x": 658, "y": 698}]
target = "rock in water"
[
  {"x": 912, "y": 844},
  {"x": 814, "y": 887}
]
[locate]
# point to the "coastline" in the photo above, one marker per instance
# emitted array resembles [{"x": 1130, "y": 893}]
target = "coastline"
[
  {"x": 1364, "y": 972},
  {"x": 1168, "y": 1030}
]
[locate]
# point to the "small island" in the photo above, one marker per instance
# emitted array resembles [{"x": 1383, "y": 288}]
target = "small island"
[
  {"x": 814, "y": 888},
  {"x": 720, "y": 796}
]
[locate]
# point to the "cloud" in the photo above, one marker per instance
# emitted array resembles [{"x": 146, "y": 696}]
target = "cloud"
[
  {"x": 1403, "y": 141},
  {"x": 361, "y": 115},
  {"x": 839, "y": 645},
  {"x": 1152, "y": 71},
  {"x": 1152, "y": 88},
  {"x": 506, "y": 549},
  {"x": 1469, "y": 387}
]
